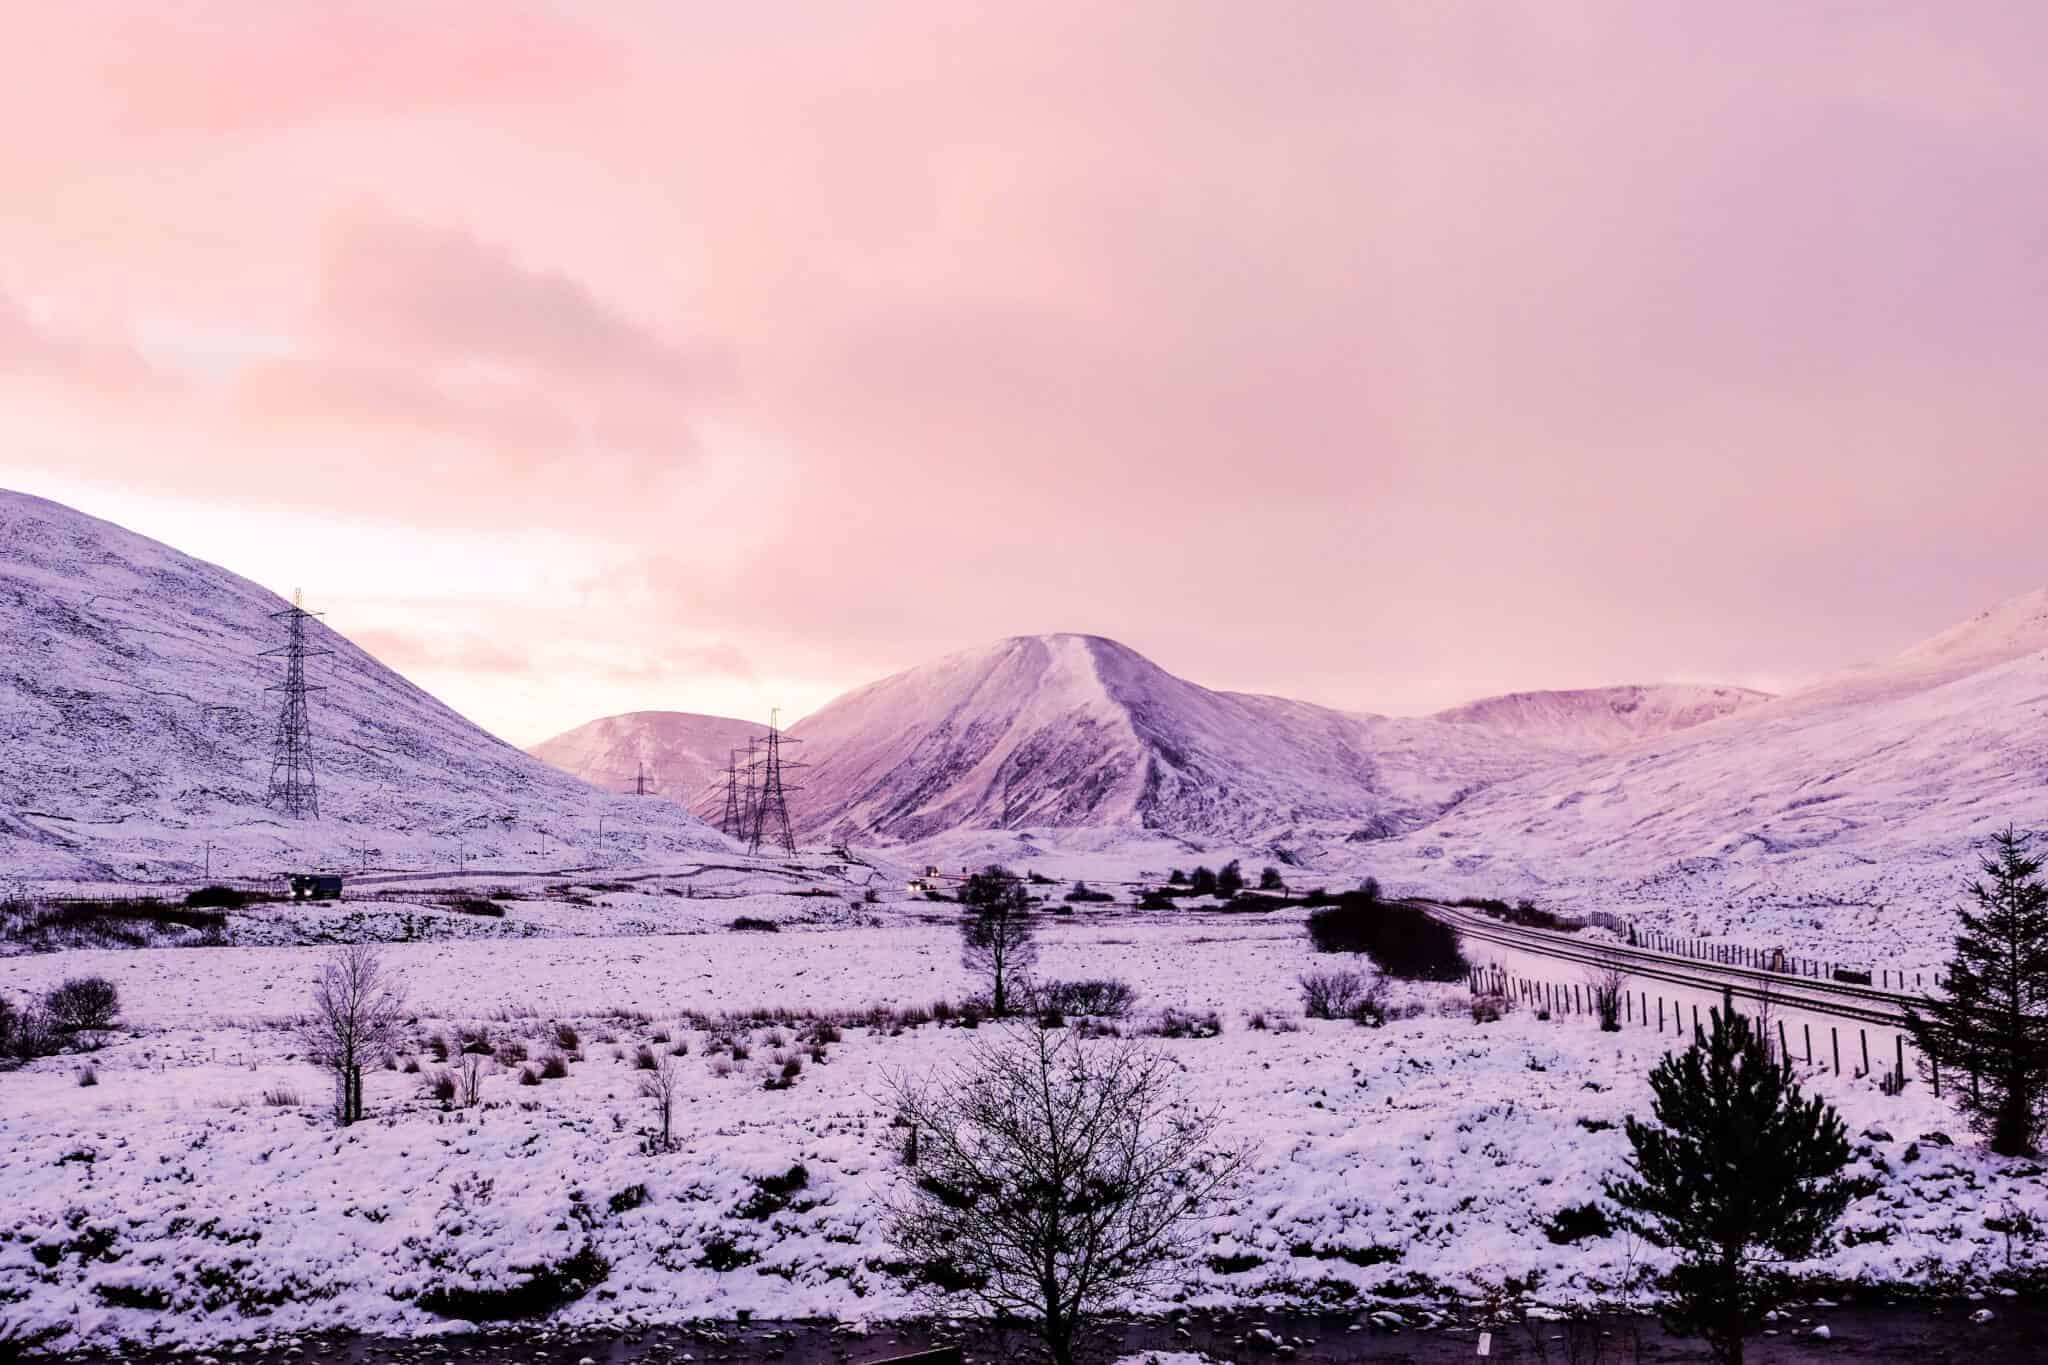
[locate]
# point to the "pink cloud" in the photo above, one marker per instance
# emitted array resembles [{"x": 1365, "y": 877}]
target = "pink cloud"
[{"x": 1388, "y": 353}]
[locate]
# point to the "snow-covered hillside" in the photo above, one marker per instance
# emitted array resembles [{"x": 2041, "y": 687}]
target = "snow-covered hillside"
[
  {"x": 1601, "y": 719},
  {"x": 136, "y": 731},
  {"x": 682, "y": 754},
  {"x": 1058, "y": 731},
  {"x": 1851, "y": 808}
]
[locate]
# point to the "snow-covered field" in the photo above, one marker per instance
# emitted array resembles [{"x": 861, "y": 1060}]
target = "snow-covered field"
[{"x": 1394, "y": 1167}]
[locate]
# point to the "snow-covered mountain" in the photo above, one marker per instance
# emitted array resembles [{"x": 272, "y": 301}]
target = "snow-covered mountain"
[
  {"x": 1074, "y": 730},
  {"x": 1859, "y": 798},
  {"x": 136, "y": 730},
  {"x": 682, "y": 754},
  {"x": 1600, "y": 719}
]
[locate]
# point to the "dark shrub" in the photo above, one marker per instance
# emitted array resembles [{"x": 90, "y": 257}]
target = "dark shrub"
[
  {"x": 754, "y": 925},
  {"x": 548, "y": 1286},
  {"x": 1082, "y": 894},
  {"x": 1202, "y": 883},
  {"x": 1331, "y": 995},
  {"x": 527, "y": 1076},
  {"x": 474, "y": 905},
  {"x": 442, "y": 1087},
  {"x": 1576, "y": 1222},
  {"x": 1230, "y": 880},
  {"x": 632, "y": 1197},
  {"x": 567, "y": 1038},
  {"x": 771, "y": 1194},
  {"x": 1401, "y": 940},
  {"x": 644, "y": 1059},
  {"x": 554, "y": 1067},
  {"x": 1270, "y": 879},
  {"x": 83, "y": 1002},
  {"x": 216, "y": 897},
  {"x": 721, "y": 1253},
  {"x": 1101, "y": 996}
]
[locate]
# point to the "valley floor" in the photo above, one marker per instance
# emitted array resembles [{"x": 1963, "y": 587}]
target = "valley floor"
[{"x": 199, "y": 1194}]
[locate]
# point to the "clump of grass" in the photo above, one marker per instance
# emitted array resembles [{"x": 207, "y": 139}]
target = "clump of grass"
[
  {"x": 567, "y": 1038},
  {"x": 528, "y": 1076},
  {"x": 1179, "y": 1023},
  {"x": 281, "y": 1097},
  {"x": 88, "y": 1074},
  {"x": 643, "y": 1059},
  {"x": 554, "y": 1067}
]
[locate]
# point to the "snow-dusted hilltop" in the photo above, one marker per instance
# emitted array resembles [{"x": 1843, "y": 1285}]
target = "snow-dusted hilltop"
[
  {"x": 1600, "y": 719},
  {"x": 1868, "y": 789},
  {"x": 682, "y": 754},
  {"x": 136, "y": 730},
  {"x": 1075, "y": 730}
]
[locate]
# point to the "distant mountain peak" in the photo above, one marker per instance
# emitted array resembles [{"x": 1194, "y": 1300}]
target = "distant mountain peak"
[{"x": 1073, "y": 730}]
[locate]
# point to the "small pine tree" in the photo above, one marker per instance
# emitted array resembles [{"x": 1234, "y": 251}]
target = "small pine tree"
[
  {"x": 1739, "y": 1172},
  {"x": 1269, "y": 880},
  {"x": 1177, "y": 878},
  {"x": 1230, "y": 880},
  {"x": 1993, "y": 1022},
  {"x": 1203, "y": 882}
]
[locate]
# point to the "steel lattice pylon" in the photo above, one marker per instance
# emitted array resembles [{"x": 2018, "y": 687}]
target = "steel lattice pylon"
[
  {"x": 770, "y": 804},
  {"x": 733, "y": 821},
  {"x": 293, "y": 788}
]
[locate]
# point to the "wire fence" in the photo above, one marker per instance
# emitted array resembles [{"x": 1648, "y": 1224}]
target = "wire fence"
[{"x": 1674, "y": 1016}]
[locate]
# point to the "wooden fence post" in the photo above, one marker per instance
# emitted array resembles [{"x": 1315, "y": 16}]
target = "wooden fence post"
[
  {"x": 1809, "y": 1043},
  {"x": 1835, "y": 1038}
]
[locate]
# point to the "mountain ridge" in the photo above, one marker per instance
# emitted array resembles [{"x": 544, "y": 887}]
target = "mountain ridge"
[{"x": 136, "y": 718}]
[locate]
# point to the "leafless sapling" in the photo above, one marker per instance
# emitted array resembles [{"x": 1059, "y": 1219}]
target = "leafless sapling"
[
  {"x": 1605, "y": 982},
  {"x": 1054, "y": 1177},
  {"x": 358, "y": 1008},
  {"x": 659, "y": 1083}
]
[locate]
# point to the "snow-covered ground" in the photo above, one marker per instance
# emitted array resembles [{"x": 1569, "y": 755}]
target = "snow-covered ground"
[{"x": 1397, "y": 1166}]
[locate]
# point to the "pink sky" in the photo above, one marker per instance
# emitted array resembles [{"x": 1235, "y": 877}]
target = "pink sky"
[{"x": 583, "y": 358}]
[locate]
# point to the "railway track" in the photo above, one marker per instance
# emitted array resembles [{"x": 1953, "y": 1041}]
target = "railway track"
[{"x": 1838, "y": 999}]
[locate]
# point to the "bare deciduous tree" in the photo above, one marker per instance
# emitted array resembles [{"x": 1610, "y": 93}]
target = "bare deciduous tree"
[
  {"x": 997, "y": 937},
  {"x": 358, "y": 1008},
  {"x": 659, "y": 1084},
  {"x": 1054, "y": 1177}
]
